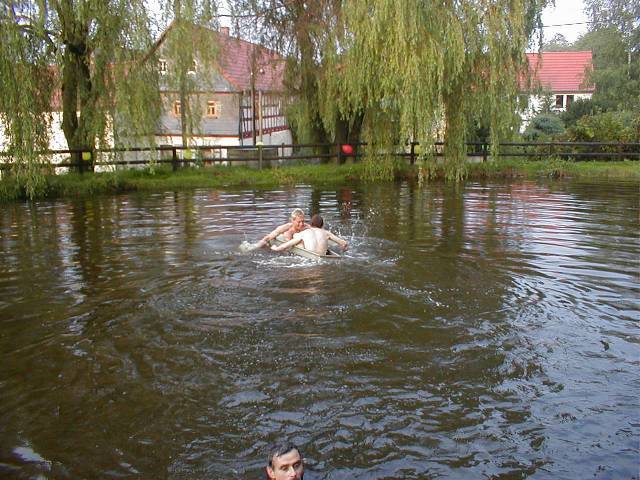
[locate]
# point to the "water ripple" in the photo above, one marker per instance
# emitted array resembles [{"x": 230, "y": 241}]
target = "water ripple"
[{"x": 484, "y": 330}]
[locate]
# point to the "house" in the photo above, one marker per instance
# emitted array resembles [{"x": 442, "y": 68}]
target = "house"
[
  {"x": 241, "y": 99},
  {"x": 241, "y": 103},
  {"x": 561, "y": 75}
]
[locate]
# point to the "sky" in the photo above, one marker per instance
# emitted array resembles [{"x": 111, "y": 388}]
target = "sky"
[{"x": 565, "y": 11}]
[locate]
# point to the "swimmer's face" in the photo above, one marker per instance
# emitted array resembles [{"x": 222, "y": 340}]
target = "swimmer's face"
[
  {"x": 286, "y": 467},
  {"x": 298, "y": 223}
]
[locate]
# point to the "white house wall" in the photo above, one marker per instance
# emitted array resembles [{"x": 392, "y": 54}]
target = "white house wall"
[
  {"x": 226, "y": 124},
  {"x": 274, "y": 138},
  {"x": 57, "y": 141},
  {"x": 536, "y": 102},
  {"x": 56, "y": 136}
]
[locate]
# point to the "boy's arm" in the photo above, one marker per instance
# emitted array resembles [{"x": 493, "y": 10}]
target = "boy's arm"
[
  {"x": 286, "y": 245},
  {"x": 343, "y": 243},
  {"x": 267, "y": 238}
]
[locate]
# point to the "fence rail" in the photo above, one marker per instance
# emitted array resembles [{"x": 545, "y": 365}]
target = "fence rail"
[{"x": 260, "y": 156}]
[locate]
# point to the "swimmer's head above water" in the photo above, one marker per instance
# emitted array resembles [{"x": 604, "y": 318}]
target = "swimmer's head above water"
[{"x": 285, "y": 462}]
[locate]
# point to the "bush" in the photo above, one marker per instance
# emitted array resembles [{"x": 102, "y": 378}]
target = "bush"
[
  {"x": 543, "y": 126},
  {"x": 578, "y": 109},
  {"x": 606, "y": 127}
]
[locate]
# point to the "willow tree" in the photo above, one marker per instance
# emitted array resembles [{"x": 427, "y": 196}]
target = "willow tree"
[
  {"x": 420, "y": 67},
  {"x": 302, "y": 31},
  {"x": 409, "y": 69},
  {"x": 93, "y": 59}
]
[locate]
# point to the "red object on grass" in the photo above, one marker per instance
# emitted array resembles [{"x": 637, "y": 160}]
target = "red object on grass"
[{"x": 347, "y": 149}]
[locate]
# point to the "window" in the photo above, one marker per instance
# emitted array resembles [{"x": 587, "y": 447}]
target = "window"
[
  {"x": 162, "y": 66},
  {"x": 569, "y": 100},
  {"x": 177, "y": 110},
  {"x": 559, "y": 101},
  {"x": 194, "y": 68},
  {"x": 213, "y": 109}
]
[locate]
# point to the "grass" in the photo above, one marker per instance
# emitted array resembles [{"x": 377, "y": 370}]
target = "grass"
[
  {"x": 163, "y": 179},
  {"x": 556, "y": 168}
]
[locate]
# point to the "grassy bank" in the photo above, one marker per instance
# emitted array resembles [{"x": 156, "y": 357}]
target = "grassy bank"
[
  {"x": 556, "y": 168},
  {"x": 72, "y": 185}
]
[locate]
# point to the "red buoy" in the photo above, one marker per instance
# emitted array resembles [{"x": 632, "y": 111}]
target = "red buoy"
[{"x": 347, "y": 149}]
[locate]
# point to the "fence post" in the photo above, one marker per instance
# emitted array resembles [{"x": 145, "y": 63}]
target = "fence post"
[
  {"x": 340, "y": 158},
  {"x": 413, "y": 152},
  {"x": 85, "y": 161},
  {"x": 174, "y": 159},
  {"x": 620, "y": 155},
  {"x": 259, "y": 155}
]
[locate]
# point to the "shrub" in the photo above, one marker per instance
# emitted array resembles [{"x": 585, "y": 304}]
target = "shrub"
[
  {"x": 543, "y": 126},
  {"x": 606, "y": 127},
  {"x": 578, "y": 109}
]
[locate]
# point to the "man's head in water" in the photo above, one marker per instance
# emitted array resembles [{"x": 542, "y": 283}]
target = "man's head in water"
[
  {"x": 317, "y": 221},
  {"x": 297, "y": 219},
  {"x": 285, "y": 462}
]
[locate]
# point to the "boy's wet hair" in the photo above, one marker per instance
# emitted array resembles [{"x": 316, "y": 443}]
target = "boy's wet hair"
[
  {"x": 317, "y": 221},
  {"x": 282, "y": 448},
  {"x": 297, "y": 212}
]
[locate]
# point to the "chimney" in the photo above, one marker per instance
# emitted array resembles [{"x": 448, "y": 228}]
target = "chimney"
[{"x": 224, "y": 31}]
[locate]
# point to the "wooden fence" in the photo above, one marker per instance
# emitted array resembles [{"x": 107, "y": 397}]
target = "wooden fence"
[{"x": 265, "y": 156}]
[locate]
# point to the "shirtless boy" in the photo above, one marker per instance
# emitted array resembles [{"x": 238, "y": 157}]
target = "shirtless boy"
[
  {"x": 296, "y": 225},
  {"x": 315, "y": 239}
]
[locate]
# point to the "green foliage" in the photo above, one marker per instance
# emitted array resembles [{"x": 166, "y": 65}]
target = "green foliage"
[
  {"x": 544, "y": 126},
  {"x": 419, "y": 62},
  {"x": 26, "y": 90},
  {"x": 558, "y": 43},
  {"x": 547, "y": 102},
  {"x": 607, "y": 127},
  {"x": 555, "y": 168},
  {"x": 578, "y": 109},
  {"x": 93, "y": 60},
  {"x": 163, "y": 179},
  {"x": 614, "y": 41},
  {"x": 411, "y": 69},
  {"x": 619, "y": 14}
]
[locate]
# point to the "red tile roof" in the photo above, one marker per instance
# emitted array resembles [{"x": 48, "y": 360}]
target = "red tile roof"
[
  {"x": 560, "y": 71},
  {"x": 235, "y": 60},
  {"x": 235, "y": 64}
]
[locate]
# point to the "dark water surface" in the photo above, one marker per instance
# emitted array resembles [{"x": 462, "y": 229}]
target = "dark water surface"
[{"x": 480, "y": 331}]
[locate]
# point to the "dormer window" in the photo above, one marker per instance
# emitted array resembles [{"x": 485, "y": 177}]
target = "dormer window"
[
  {"x": 177, "y": 108},
  {"x": 163, "y": 68},
  {"x": 194, "y": 68}
]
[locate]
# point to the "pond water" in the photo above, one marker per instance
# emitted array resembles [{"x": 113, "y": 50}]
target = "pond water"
[{"x": 474, "y": 331}]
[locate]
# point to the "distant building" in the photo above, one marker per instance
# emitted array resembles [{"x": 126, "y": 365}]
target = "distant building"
[
  {"x": 561, "y": 75},
  {"x": 242, "y": 103}
]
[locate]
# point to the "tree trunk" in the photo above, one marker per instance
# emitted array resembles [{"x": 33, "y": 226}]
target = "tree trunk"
[{"x": 78, "y": 96}]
